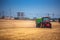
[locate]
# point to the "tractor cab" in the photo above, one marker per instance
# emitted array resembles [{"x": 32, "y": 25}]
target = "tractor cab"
[{"x": 45, "y": 19}]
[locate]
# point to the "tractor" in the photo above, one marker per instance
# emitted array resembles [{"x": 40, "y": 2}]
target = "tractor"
[{"x": 43, "y": 22}]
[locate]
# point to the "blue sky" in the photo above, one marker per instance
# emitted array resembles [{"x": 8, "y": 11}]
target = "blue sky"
[{"x": 31, "y": 8}]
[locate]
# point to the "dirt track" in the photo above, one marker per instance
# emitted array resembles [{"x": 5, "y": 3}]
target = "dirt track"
[{"x": 31, "y": 33}]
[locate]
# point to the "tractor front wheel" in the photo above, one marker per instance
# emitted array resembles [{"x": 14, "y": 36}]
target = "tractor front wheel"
[{"x": 46, "y": 25}]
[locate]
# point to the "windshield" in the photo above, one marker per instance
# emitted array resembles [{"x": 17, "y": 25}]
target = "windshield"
[{"x": 45, "y": 19}]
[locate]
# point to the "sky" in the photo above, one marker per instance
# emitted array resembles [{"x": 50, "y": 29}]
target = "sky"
[{"x": 31, "y": 8}]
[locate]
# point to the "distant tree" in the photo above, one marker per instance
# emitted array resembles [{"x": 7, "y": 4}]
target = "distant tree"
[
  {"x": 59, "y": 20},
  {"x": 34, "y": 18}
]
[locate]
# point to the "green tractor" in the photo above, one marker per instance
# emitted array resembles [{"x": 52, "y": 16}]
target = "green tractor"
[{"x": 43, "y": 22}]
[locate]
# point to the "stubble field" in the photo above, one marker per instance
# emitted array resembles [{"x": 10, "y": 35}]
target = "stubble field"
[{"x": 26, "y": 30}]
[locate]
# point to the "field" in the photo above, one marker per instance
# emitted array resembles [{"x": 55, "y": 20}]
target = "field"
[{"x": 19, "y": 30}]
